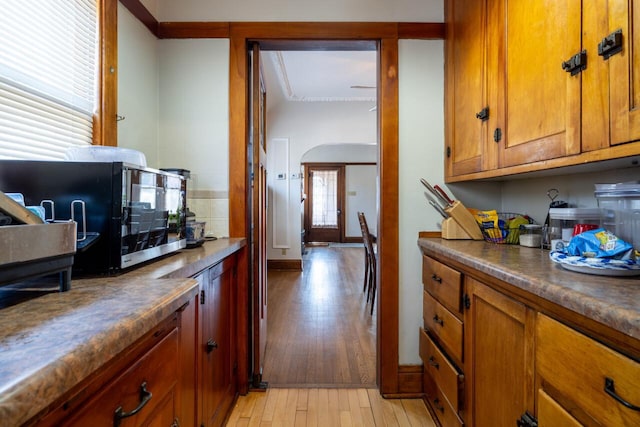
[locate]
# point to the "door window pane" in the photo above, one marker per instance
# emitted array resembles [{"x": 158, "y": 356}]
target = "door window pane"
[{"x": 325, "y": 199}]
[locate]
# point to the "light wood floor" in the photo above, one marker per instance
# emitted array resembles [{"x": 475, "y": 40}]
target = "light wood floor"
[
  {"x": 327, "y": 408},
  {"x": 320, "y": 332}
]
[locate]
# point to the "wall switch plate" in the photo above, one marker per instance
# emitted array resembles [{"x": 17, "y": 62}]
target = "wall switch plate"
[{"x": 281, "y": 176}]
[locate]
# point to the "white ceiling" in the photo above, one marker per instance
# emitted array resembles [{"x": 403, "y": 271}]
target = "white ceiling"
[{"x": 313, "y": 76}]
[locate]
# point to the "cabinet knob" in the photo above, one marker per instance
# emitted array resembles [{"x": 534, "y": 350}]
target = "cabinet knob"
[
  {"x": 433, "y": 362},
  {"x": 435, "y": 278},
  {"x": 211, "y": 345}
]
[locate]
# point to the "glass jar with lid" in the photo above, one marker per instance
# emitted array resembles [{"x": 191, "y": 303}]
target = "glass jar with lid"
[{"x": 531, "y": 235}]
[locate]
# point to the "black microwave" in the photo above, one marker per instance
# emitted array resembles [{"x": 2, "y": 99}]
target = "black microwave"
[{"x": 126, "y": 214}]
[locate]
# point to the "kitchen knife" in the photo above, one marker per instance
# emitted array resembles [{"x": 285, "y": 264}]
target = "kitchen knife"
[
  {"x": 444, "y": 194},
  {"x": 435, "y": 205},
  {"x": 438, "y": 197}
]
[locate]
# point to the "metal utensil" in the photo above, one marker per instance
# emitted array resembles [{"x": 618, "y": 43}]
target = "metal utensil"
[
  {"x": 440, "y": 200},
  {"x": 435, "y": 205},
  {"x": 444, "y": 194}
]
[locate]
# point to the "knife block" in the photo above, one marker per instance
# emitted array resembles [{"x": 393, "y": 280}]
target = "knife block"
[
  {"x": 451, "y": 230},
  {"x": 461, "y": 224}
]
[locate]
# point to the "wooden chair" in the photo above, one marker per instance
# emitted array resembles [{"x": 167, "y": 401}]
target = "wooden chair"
[{"x": 369, "y": 261}]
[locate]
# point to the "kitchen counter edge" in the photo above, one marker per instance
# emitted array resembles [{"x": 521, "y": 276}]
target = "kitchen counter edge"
[{"x": 50, "y": 344}]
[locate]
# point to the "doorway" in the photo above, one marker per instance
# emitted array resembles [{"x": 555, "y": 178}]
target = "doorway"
[
  {"x": 388, "y": 375},
  {"x": 303, "y": 123}
]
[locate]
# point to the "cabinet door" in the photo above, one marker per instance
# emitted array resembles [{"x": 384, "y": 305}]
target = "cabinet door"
[
  {"x": 465, "y": 43},
  {"x": 215, "y": 345},
  {"x": 625, "y": 72},
  {"x": 538, "y": 102},
  {"x": 499, "y": 341}
]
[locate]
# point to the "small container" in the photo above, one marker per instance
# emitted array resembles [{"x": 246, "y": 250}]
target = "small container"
[
  {"x": 531, "y": 235},
  {"x": 562, "y": 221},
  {"x": 620, "y": 209}
]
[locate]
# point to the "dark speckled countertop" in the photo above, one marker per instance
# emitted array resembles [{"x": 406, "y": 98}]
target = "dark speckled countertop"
[
  {"x": 50, "y": 343},
  {"x": 610, "y": 301}
]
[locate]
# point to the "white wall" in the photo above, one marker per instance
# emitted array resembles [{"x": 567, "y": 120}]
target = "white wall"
[
  {"x": 301, "y": 10},
  {"x": 309, "y": 125},
  {"x": 138, "y": 81},
  {"x": 360, "y": 196},
  {"x": 194, "y": 123},
  {"x": 421, "y": 77}
]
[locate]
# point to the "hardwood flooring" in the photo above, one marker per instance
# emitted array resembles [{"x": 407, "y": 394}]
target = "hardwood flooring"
[
  {"x": 319, "y": 329},
  {"x": 322, "y": 407},
  {"x": 320, "y": 356}
]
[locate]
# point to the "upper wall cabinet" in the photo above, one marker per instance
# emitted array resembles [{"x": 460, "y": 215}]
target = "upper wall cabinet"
[
  {"x": 549, "y": 83},
  {"x": 624, "y": 28},
  {"x": 466, "y": 103},
  {"x": 533, "y": 63}
]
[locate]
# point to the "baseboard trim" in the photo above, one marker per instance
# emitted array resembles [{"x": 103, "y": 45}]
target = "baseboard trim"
[
  {"x": 409, "y": 381},
  {"x": 284, "y": 264}
]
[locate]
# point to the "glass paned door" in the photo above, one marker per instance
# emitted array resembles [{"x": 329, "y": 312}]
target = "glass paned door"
[{"x": 323, "y": 212}]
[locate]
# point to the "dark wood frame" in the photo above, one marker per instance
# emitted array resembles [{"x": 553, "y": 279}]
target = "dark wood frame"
[
  {"x": 385, "y": 35},
  {"x": 309, "y": 200}
]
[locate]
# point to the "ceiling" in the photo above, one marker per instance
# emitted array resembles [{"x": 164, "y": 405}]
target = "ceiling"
[{"x": 325, "y": 76}]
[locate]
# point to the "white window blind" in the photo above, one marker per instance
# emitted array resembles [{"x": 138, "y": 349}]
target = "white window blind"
[{"x": 48, "y": 73}]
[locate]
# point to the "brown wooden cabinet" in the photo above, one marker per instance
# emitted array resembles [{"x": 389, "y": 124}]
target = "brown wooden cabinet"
[
  {"x": 441, "y": 342},
  {"x": 467, "y": 149},
  {"x": 584, "y": 378},
  {"x": 519, "y": 360},
  {"x": 499, "y": 359},
  {"x": 515, "y": 59},
  {"x": 216, "y": 349},
  {"x": 143, "y": 386},
  {"x": 624, "y": 69},
  {"x": 536, "y": 102}
]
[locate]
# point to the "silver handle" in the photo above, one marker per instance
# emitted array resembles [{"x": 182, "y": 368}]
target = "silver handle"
[
  {"x": 53, "y": 209},
  {"x": 84, "y": 217}
]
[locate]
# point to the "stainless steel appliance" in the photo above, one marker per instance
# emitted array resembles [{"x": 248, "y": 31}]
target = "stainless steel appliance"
[{"x": 127, "y": 208}]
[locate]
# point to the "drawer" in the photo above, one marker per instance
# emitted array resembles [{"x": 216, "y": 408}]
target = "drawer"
[
  {"x": 442, "y": 409},
  {"x": 551, "y": 414},
  {"x": 443, "y": 282},
  {"x": 157, "y": 369},
  {"x": 442, "y": 371},
  {"x": 446, "y": 326},
  {"x": 582, "y": 370}
]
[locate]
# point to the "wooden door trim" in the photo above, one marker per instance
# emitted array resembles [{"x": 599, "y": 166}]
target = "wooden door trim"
[
  {"x": 309, "y": 199},
  {"x": 387, "y": 306}
]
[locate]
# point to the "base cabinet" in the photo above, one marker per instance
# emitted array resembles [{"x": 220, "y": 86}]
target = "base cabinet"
[
  {"x": 499, "y": 357},
  {"x": 141, "y": 387},
  {"x": 216, "y": 351},
  {"x": 520, "y": 363}
]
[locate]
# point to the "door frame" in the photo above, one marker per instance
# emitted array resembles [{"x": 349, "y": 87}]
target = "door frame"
[
  {"x": 323, "y": 36},
  {"x": 309, "y": 199}
]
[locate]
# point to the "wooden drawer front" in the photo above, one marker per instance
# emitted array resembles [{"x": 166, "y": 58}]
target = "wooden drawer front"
[
  {"x": 158, "y": 368},
  {"x": 551, "y": 414},
  {"x": 577, "y": 367},
  {"x": 446, "y": 326},
  {"x": 442, "y": 282},
  {"x": 443, "y": 410},
  {"x": 441, "y": 370}
]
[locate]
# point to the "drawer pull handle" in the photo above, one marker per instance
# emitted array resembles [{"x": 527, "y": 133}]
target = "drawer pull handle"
[
  {"x": 437, "y": 405},
  {"x": 611, "y": 391},
  {"x": 433, "y": 363},
  {"x": 145, "y": 397},
  {"x": 435, "y": 278},
  {"x": 438, "y": 320}
]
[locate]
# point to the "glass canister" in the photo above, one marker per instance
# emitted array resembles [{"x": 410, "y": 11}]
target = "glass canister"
[{"x": 531, "y": 235}]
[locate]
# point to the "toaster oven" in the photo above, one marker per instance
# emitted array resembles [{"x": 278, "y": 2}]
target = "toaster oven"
[{"x": 126, "y": 214}]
